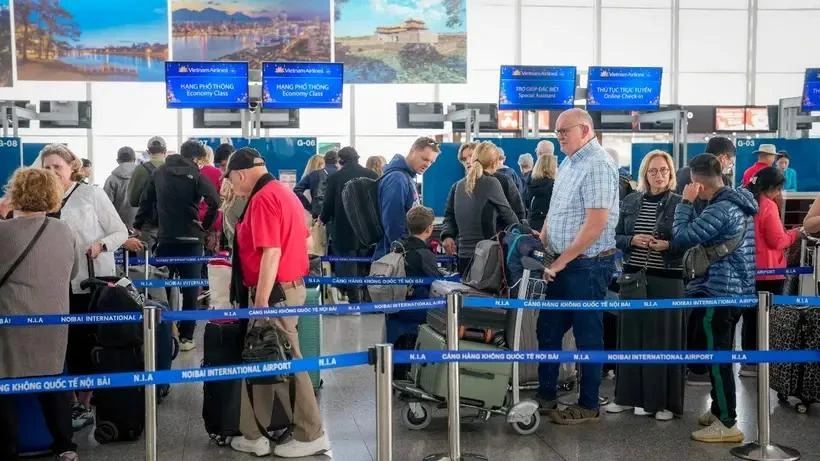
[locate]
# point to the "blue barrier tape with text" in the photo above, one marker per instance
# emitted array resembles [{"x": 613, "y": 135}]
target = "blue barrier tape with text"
[
  {"x": 139, "y": 378},
  {"x": 679, "y": 357},
  {"x": 545, "y": 304},
  {"x": 787, "y": 271},
  {"x": 796, "y": 300},
  {"x": 376, "y": 280},
  {"x": 366, "y": 260},
  {"x": 220, "y": 314}
]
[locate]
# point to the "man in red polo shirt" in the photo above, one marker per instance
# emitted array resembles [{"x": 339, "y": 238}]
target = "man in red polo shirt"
[
  {"x": 766, "y": 155},
  {"x": 271, "y": 244}
]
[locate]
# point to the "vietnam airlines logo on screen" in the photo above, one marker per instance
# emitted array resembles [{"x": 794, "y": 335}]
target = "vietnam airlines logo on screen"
[
  {"x": 516, "y": 72},
  {"x": 604, "y": 73},
  {"x": 279, "y": 70},
  {"x": 183, "y": 69}
]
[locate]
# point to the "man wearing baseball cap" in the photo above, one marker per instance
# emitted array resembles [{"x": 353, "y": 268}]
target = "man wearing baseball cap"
[
  {"x": 157, "y": 150},
  {"x": 766, "y": 155},
  {"x": 116, "y": 186},
  {"x": 270, "y": 263}
]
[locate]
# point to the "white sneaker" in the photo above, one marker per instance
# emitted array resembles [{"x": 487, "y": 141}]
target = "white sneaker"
[
  {"x": 615, "y": 408},
  {"x": 186, "y": 345},
  {"x": 258, "y": 447},
  {"x": 707, "y": 419},
  {"x": 717, "y": 432},
  {"x": 641, "y": 412},
  {"x": 296, "y": 449},
  {"x": 664, "y": 415}
]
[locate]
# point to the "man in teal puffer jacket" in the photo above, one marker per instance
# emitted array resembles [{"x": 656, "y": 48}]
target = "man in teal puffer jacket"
[{"x": 727, "y": 214}]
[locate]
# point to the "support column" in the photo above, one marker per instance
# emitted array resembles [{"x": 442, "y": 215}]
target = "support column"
[
  {"x": 751, "y": 52},
  {"x": 674, "y": 69}
]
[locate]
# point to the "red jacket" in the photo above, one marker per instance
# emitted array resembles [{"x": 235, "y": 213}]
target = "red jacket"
[
  {"x": 215, "y": 176},
  {"x": 771, "y": 239},
  {"x": 751, "y": 171}
]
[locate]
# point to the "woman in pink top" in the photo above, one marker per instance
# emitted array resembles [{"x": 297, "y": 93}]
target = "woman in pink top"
[
  {"x": 207, "y": 169},
  {"x": 771, "y": 242}
]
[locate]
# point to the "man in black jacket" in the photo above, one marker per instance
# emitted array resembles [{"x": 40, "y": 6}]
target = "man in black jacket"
[
  {"x": 173, "y": 195},
  {"x": 343, "y": 241},
  {"x": 316, "y": 183}
]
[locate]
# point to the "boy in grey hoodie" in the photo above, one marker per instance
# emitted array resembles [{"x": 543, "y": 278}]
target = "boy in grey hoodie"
[{"x": 116, "y": 186}]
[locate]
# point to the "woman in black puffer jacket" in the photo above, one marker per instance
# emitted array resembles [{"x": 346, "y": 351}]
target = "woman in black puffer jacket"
[{"x": 539, "y": 190}]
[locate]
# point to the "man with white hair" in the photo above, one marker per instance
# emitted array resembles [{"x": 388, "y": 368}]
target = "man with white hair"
[
  {"x": 525, "y": 164},
  {"x": 580, "y": 231},
  {"x": 545, "y": 147},
  {"x": 624, "y": 179}
]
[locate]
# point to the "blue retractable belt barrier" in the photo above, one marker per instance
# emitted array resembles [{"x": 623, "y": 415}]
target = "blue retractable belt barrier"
[
  {"x": 365, "y": 260},
  {"x": 220, "y": 314},
  {"x": 813, "y": 301},
  {"x": 606, "y": 305},
  {"x": 163, "y": 260},
  {"x": 139, "y": 378},
  {"x": 787, "y": 271},
  {"x": 167, "y": 283},
  {"x": 376, "y": 280},
  {"x": 680, "y": 357}
]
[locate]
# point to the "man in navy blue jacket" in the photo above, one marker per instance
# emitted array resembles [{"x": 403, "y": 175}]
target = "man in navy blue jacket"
[
  {"x": 313, "y": 182},
  {"x": 397, "y": 190},
  {"x": 729, "y": 214}
]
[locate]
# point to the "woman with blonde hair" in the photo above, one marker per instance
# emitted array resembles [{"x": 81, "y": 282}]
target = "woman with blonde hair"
[
  {"x": 539, "y": 189},
  {"x": 39, "y": 259},
  {"x": 652, "y": 270},
  {"x": 479, "y": 204},
  {"x": 100, "y": 231},
  {"x": 316, "y": 162},
  {"x": 376, "y": 164}
]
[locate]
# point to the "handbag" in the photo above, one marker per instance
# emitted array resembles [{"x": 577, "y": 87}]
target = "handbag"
[
  {"x": 265, "y": 342},
  {"x": 696, "y": 260},
  {"x": 25, "y": 252}
]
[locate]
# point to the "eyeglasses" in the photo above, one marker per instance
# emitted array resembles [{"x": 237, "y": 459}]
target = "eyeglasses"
[
  {"x": 565, "y": 131},
  {"x": 655, "y": 171}
]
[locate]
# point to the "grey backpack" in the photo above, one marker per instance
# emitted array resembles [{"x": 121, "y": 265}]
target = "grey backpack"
[
  {"x": 390, "y": 265},
  {"x": 486, "y": 272},
  {"x": 696, "y": 260}
]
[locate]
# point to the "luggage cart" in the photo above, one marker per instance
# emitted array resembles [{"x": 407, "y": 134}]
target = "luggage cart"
[{"x": 522, "y": 415}]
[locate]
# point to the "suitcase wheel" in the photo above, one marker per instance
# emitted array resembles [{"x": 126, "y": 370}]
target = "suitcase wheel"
[
  {"x": 106, "y": 432},
  {"x": 416, "y": 415},
  {"x": 802, "y": 408},
  {"x": 529, "y": 427}
]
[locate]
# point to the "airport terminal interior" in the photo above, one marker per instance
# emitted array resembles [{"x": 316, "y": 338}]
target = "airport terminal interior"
[{"x": 411, "y": 85}]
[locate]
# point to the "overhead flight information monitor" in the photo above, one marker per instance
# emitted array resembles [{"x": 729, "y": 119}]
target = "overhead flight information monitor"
[
  {"x": 206, "y": 85},
  {"x": 624, "y": 88},
  {"x": 302, "y": 85},
  {"x": 811, "y": 91},
  {"x": 536, "y": 87}
]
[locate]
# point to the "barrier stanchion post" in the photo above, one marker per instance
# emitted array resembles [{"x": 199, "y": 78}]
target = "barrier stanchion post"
[
  {"x": 126, "y": 262},
  {"x": 384, "y": 401},
  {"x": 454, "y": 303},
  {"x": 815, "y": 262},
  {"x": 763, "y": 449},
  {"x": 147, "y": 266},
  {"x": 150, "y": 322}
]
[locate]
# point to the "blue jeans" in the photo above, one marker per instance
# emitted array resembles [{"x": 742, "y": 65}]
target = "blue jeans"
[{"x": 582, "y": 279}]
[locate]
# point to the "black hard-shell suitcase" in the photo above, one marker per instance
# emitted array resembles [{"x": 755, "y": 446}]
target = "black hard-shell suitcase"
[
  {"x": 795, "y": 329},
  {"x": 480, "y": 325},
  {"x": 120, "y": 412},
  {"x": 221, "y": 399}
]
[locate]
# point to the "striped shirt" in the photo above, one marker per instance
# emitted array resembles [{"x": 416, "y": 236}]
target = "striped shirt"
[
  {"x": 586, "y": 180},
  {"x": 646, "y": 223}
]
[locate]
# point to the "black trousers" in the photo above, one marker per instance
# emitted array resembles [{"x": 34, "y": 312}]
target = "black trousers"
[
  {"x": 57, "y": 414},
  {"x": 345, "y": 269},
  {"x": 719, "y": 328},
  {"x": 748, "y": 332},
  {"x": 184, "y": 271}
]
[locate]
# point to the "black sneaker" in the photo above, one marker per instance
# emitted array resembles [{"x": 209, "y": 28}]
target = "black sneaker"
[{"x": 81, "y": 416}]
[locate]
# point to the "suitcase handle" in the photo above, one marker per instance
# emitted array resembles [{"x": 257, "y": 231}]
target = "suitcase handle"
[{"x": 475, "y": 334}]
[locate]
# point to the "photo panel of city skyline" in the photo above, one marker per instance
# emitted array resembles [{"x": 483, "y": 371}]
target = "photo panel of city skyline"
[
  {"x": 402, "y": 41},
  {"x": 5, "y": 44},
  {"x": 251, "y": 30}
]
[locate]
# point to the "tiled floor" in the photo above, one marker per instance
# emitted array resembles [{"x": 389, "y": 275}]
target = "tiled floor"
[{"x": 348, "y": 405}]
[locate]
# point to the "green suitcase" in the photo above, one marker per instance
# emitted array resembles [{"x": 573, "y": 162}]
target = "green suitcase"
[
  {"x": 310, "y": 335},
  {"x": 481, "y": 384}
]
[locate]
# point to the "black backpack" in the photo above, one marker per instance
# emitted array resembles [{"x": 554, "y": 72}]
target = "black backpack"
[
  {"x": 360, "y": 199},
  {"x": 316, "y": 202}
]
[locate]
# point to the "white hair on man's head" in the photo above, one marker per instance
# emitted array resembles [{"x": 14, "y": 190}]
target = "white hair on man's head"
[
  {"x": 501, "y": 153},
  {"x": 545, "y": 148},
  {"x": 614, "y": 154},
  {"x": 578, "y": 116},
  {"x": 525, "y": 160}
]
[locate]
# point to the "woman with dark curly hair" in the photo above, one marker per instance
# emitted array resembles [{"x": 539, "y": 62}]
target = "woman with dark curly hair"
[{"x": 40, "y": 258}]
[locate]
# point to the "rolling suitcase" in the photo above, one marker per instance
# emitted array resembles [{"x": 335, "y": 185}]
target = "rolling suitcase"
[
  {"x": 120, "y": 412},
  {"x": 34, "y": 437},
  {"x": 483, "y": 384},
  {"x": 795, "y": 329},
  {"x": 310, "y": 334}
]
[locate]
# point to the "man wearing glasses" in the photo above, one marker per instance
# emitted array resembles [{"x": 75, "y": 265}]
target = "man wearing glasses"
[
  {"x": 580, "y": 231},
  {"x": 397, "y": 190}
]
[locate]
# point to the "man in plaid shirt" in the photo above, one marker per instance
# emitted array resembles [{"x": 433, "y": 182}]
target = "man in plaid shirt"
[{"x": 580, "y": 231}]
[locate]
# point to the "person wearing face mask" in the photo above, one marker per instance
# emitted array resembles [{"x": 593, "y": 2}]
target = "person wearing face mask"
[
  {"x": 724, "y": 149},
  {"x": 644, "y": 233},
  {"x": 100, "y": 231}
]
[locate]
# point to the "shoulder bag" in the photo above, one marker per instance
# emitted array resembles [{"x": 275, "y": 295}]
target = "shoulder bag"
[
  {"x": 696, "y": 260},
  {"x": 25, "y": 252}
]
